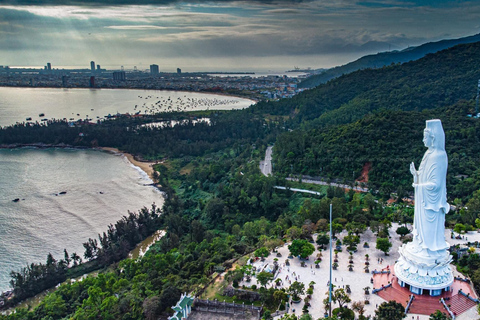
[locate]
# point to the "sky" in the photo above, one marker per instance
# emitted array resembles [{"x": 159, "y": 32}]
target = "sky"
[{"x": 222, "y": 35}]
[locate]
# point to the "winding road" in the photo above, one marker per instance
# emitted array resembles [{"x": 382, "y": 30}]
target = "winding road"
[{"x": 266, "y": 168}]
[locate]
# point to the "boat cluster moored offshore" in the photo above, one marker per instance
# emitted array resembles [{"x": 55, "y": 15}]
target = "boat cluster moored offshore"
[
  {"x": 179, "y": 104},
  {"x": 157, "y": 104}
]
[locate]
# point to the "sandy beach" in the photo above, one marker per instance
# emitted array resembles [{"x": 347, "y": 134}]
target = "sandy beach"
[{"x": 146, "y": 166}]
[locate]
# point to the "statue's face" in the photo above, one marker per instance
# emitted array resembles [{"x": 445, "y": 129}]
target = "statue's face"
[{"x": 427, "y": 138}]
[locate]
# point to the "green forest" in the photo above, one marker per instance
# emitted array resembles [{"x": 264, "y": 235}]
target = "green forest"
[{"x": 219, "y": 207}]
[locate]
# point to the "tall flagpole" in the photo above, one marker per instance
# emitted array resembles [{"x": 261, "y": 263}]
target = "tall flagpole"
[{"x": 330, "y": 282}]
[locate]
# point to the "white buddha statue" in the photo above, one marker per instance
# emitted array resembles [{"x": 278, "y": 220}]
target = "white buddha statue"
[
  {"x": 424, "y": 263},
  {"x": 429, "y": 183}
]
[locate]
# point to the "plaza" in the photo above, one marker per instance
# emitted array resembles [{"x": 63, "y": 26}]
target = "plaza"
[{"x": 357, "y": 279}]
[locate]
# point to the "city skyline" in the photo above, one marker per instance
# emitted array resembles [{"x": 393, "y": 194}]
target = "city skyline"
[{"x": 222, "y": 35}]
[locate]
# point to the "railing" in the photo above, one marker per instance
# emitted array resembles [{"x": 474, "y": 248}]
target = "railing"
[
  {"x": 468, "y": 296},
  {"x": 409, "y": 304},
  {"x": 381, "y": 272},
  {"x": 382, "y": 288},
  {"x": 215, "y": 306},
  {"x": 447, "y": 308}
]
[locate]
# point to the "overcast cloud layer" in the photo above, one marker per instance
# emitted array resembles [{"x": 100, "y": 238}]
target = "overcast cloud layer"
[{"x": 222, "y": 35}]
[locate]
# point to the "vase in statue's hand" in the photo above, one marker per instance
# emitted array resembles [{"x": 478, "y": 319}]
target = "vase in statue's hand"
[{"x": 414, "y": 173}]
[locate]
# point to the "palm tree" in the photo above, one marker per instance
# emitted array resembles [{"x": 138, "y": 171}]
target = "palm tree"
[
  {"x": 76, "y": 258},
  {"x": 359, "y": 307}
]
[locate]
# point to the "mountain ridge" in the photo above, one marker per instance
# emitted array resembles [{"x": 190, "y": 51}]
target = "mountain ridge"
[{"x": 381, "y": 59}]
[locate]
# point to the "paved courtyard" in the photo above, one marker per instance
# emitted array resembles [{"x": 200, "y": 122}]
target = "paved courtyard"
[{"x": 341, "y": 277}]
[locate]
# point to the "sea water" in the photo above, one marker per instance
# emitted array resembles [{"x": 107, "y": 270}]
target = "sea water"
[
  {"x": 100, "y": 188},
  {"x": 20, "y": 104}
]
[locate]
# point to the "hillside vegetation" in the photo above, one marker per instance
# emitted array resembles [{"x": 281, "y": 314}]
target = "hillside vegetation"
[
  {"x": 437, "y": 80},
  {"x": 389, "y": 142}
]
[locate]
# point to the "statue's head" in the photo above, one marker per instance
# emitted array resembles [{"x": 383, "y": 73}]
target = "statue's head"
[{"x": 433, "y": 135}]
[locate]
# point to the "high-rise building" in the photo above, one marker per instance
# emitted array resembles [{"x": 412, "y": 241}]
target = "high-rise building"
[
  {"x": 154, "y": 69},
  {"x": 179, "y": 70},
  {"x": 98, "y": 68},
  {"x": 49, "y": 66},
  {"x": 119, "y": 75},
  {"x": 92, "y": 66}
]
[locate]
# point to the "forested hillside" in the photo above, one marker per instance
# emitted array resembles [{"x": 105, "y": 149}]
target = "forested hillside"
[
  {"x": 389, "y": 141},
  {"x": 384, "y": 59},
  {"x": 437, "y": 80}
]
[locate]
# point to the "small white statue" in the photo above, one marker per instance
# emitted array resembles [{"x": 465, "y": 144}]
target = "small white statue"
[{"x": 429, "y": 183}]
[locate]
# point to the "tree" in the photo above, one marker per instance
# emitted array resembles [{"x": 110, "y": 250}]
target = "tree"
[
  {"x": 477, "y": 223},
  {"x": 391, "y": 310},
  {"x": 323, "y": 239},
  {"x": 296, "y": 289},
  {"x": 336, "y": 228},
  {"x": 169, "y": 296},
  {"x": 267, "y": 315},
  {"x": 66, "y": 257},
  {"x": 438, "y": 315},
  {"x": 403, "y": 231},
  {"x": 152, "y": 308},
  {"x": 359, "y": 307},
  {"x": 306, "y": 316},
  {"x": 76, "y": 258},
  {"x": 301, "y": 248},
  {"x": 383, "y": 245},
  {"x": 356, "y": 227},
  {"x": 459, "y": 228},
  {"x": 294, "y": 233},
  {"x": 351, "y": 241},
  {"x": 341, "y": 297},
  {"x": 264, "y": 278},
  {"x": 279, "y": 296},
  {"x": 262, "y": 252}
]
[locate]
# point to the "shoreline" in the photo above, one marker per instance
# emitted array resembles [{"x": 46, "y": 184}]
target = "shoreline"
[
  {"x": 146, "y": 166},
  {"x": 254, "y": 101}
]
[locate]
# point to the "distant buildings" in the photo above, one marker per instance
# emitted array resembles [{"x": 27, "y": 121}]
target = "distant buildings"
[
  {"x": 119, "y": 75},
  {"x": 154, "y": 69},
  {"x": 92, "y": 66},
  {"x": 92, "y": 82},
  {"x": 98, "y": 68},
  {"x": 49, "y": 67},
  {"x": 179, "y": 70}
]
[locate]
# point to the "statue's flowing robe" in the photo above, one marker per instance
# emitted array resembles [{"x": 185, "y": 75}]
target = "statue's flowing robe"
[{"x": 431, "y": 201}]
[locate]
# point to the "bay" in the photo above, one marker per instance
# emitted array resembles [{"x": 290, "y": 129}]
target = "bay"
[
  {"x": 100, "y": 188},
  {"x": 18, "y": 104}
]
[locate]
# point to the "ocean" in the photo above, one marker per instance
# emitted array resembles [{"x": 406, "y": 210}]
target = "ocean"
[{"x": 100, "y": 187}]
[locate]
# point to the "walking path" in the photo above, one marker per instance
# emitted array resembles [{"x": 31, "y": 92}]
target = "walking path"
[
  {"x": 266, "y": 169},
  {"x": 266, "y": 165}
]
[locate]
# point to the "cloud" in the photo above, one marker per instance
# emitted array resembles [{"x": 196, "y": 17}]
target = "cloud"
[
  {"x": 102, "y": 3},
  {"x": 212, "y": 31}
]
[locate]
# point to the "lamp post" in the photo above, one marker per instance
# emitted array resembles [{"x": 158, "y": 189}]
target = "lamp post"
[{"x": 330, "y": 282}]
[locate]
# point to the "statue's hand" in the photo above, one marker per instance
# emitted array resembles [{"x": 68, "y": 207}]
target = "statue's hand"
[{"x": 414, "y": 172}]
